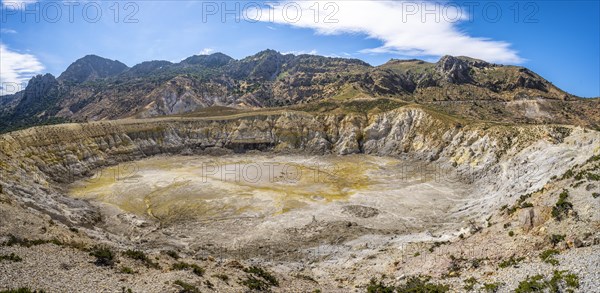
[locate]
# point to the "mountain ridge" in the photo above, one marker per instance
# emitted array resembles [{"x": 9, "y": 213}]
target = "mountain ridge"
[{"x": 97, "y": 88}]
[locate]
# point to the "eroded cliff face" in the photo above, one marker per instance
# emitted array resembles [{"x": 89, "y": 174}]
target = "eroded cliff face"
[{"x": 37, "y": 161}]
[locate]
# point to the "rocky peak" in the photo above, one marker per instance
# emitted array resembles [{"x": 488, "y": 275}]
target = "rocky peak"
[
  {"x": 454, "y": 70},
  {"x": 264, "y": 65},
  {"x": 40, "y": 84},
  {"x": 39, "y": 96},
  {"x": 92, "y": 67},
  {"x": 268, "y": 53},
  {"x": 212, "y": 61}
]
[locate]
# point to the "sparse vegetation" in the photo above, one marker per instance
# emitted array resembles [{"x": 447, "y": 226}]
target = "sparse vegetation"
[
  {"x": 455, "y": 267},
  {"x": 476, "y": 263},
  {"x": 436, "y": 245},
  {"x": 562, "y": 207},
  {"x": 413, "y": 284},
  {"x": 259, "y": 279},
  {"x": 526, "y": 205},
  {"x": 11, "y": 257},
  {"x": 13, "y": 240},
  {"x": 141, "y": 256},
  {"x": 561, "y": 281},
  {"x": 186, "y": 287},
  {"x": 521, "y": 203},
  {"x": 512, "y": 261},
  {"x": 556, "y": 239},
  {"x": 24, "y": 242},
  {"x": 104, "y": 256},
  {"x": 222, "y": 277},
  {"x": 491, "y": 287},
  {"x": 470, "y": 283},
  {"x": 569, "y": 174},
  {"x": 197, "y": 270},
  {"x": 22, "y": 290},
  {"x": 548, "y": 256},
  {"x": 127, "y": 270},
  {"x": 173, "y": 254}
]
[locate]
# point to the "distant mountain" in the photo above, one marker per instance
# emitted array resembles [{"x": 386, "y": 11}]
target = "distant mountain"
[
  {"x": 95, "y": 88},
  {"x": 91, "y": 67}
]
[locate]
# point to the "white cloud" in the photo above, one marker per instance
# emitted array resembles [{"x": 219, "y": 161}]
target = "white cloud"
[
  {"x": 404, "y": 27},
  {"x": 7, "y": 31},
  {"x": 206, "y": 51},
  {"x": 17, "y": 4},
  {"x": 16, "y": 69}
]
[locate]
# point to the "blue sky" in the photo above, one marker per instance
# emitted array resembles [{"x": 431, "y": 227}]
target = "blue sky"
[{"x": 558, "y": 39}]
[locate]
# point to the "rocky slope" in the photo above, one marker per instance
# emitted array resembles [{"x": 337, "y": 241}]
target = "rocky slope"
[
  {"x": 509, "y": 166},
  {"x": 94, "y": 88},
  {"x": 64, "y": 152}
]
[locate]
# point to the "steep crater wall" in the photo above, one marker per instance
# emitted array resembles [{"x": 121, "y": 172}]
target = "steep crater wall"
[{"x": 37, "y": 162}]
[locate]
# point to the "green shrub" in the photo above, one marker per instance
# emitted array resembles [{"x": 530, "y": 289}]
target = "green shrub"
[
  {"x": 511, "y": 233},
  {"x": 526, "y": 205},
  {"x": 556, "y": 239},
  {"x": 560, "y": 280},
  {"x": 127, "y": 270},
  {"x": 21, "y": 290},
  {"x": 13, "y": 240},
  {"x": 379, "y": 287},
  {"x": 476, "y": 263},
  {"x": 141, "y": 256},
  {"x": 104, "y": 256},
  {"x": 186, "y": 288},
  {"x": 416, "y": 284},
  {"x": 11, "y": 257},
  {"x": 222, "y": 277},
  {"x": 262, "y": 273},
  {"x": 593, "y": 159},
  {"x": 568, "y": 174},
  {"x": 512, "y": 261},
  {"x": 562, "y": 206},
  {"x": 563, "y": 279},
  {"x": 470, "y": 283},
  {"x": 436, "y": 245},
  {"x": 548, "y": 256},
  {"x": 173, "y": 254},
  {"x": 531, "y": 284},
  {"x": 180, "y": 266},
  {"x": 413, "y": 284},
  {"x": 455, "y": 267},
  {"x": 259, "y": 279},
  {"x": 491, "y": 287}
]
